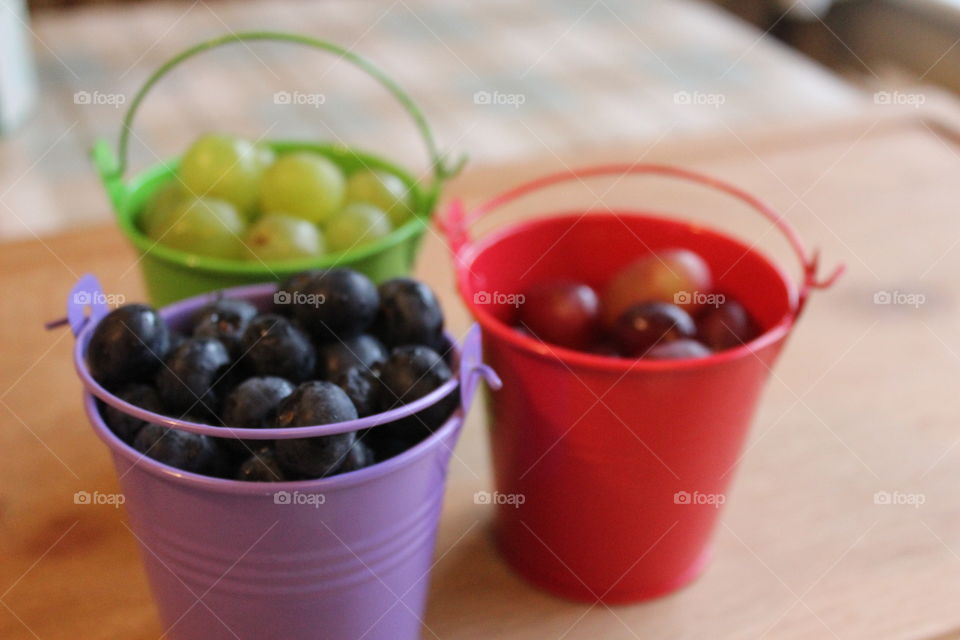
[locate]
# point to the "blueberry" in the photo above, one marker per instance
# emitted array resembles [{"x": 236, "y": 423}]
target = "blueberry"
[
  {"x": 409, "y": 314},
  {"x": 253, "y": 403},
  {"x": 128, "y": 345},
  {"x": 226, "y": 320},
  {"x": 291, "y": 289},
  {"x": 338, "y": 303},
  {"x": 447, "y": 349},
  {"x": 360, "y": 456},
  {"x": 314, "y": 403},
  {"x": 336, "y": 356},
  {"x": 411, "y": 372},
  {"x": 193, "y": 377},
  {"x": 273, "y": 346},
  {"x": 192, "y": 452},
  {"x": 387, "y": 441},
  {"x": 262, "y": 466},
  {"x": 123, "y": 424},
  {"x": 360, "y": 384}
]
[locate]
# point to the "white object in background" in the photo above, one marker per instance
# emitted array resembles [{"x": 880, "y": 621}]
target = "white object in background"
[{"x": 17, "y": 78}]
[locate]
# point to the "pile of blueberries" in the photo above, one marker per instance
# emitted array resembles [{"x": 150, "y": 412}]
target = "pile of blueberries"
[{"x": 333, "y": 347}]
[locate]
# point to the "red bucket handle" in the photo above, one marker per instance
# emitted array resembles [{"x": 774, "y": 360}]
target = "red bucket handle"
[{"x": 456, "y": 223}]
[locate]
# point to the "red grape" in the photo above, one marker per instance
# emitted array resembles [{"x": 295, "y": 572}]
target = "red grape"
[
  {"x": 678, "y": 350},
  {"x": 670, "y": 275},
  {"x": 561, "y": 312},
  {"x": 648, "y": 324},
  {"x": 726, "y": 326}
]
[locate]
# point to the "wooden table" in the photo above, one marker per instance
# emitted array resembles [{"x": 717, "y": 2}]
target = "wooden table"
[{"x": 863, "y": 401}]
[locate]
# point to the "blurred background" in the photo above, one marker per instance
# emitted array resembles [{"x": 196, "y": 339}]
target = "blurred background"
[{"x": 498, "y": 79}]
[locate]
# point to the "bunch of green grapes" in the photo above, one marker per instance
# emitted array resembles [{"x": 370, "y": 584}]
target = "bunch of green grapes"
[{"x": 238, "y": 200}]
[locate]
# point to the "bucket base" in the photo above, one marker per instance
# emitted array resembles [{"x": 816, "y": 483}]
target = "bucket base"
[{"x": 580, "y": 593}]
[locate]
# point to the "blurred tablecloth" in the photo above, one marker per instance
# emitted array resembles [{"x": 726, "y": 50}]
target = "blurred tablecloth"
[{"x": 497, "y": 79}]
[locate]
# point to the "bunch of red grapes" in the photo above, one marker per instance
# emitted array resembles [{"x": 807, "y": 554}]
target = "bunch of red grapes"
[{"x": 662, "y": 306}]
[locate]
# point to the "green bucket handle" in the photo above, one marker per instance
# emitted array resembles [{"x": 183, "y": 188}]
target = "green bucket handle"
[{"x": 112, "y": 167}]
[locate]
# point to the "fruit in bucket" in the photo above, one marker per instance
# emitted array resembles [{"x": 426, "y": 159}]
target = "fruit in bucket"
[
  {"x": 206, "y": 226},
  {"x": 356, "y": 225},
  {"x": 561, "y": 312},
  {"x": 227, "y": 168},
  {"x": 236, "y": 200},
  {"x": 666, "y": 311},
  {"x": 383, "y": 190},
  {"x": 276, "y": 236},
  {"x": 647, "y": 325},
  {"x": 302, "y": 184},
  {"x": 676, "y": 276},
  {"x": 725, "y": 325},
  {"x": 309, "y": 359}
]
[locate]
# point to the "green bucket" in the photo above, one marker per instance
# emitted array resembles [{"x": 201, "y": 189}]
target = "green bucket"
[{"x": 171, "y": 274}]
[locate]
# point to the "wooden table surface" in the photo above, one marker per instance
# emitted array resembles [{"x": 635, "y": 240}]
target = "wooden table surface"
[{"x": 863, "y": 401}]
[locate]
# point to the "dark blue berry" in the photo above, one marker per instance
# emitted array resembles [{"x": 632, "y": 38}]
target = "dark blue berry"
[
  {"x": 314, "y": 403},
  {"x": 336, "y": 356},
  {"x": 338, "y": 303},
  {"x": 191, "y": 452},
  {"x": 193, "y": 376},
  {"x": 274, "y": 346},
  {"x": 261, "y": 466},
  {"x": 360, "y": 456},
  {"x": 411, "y": 372},
  {"x": 226, "y": 320},
  {"x": 409, "y": 314},
  {"x": 360, "y": 384},
  {"x": 252, "y": 405},
  {"x": 125, "y": 425},
  {"x": 128, "y": 345}
]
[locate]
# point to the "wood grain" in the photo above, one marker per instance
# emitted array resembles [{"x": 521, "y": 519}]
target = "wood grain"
[{"x": 863, "y": 401}]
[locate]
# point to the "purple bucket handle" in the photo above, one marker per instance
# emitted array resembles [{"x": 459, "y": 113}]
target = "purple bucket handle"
[
  {"x": 472, "y": 368},
  {"x": 88, "y": 293}
]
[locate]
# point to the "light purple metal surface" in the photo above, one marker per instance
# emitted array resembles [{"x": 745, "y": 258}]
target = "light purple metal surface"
[{"x": 346, "y": 557}]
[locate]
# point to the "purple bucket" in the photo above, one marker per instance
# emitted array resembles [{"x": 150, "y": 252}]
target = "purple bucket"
[{"x": 344, "y": 557}]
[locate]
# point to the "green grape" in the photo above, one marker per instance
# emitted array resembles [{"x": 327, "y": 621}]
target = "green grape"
[
  {"x": 357, "y": 224},
  {"x": 202, "y": 226},
  {"x": 169, "y": 196},
  {"x": 305, "y": 185},
  {"x": 224, "y": 167},
  {"x": 383, "y": 190},
  {"x": 277, "y": 236}
]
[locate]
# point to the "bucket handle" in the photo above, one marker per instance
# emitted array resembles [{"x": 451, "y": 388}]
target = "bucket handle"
[
  {"x": 112, "y": 167},
  {"x": 455, "y": 224},
  {"x": 88, "y": 294}
]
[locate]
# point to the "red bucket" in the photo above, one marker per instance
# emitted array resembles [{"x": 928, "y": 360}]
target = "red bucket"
[{"x": 610, "y": 472}]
